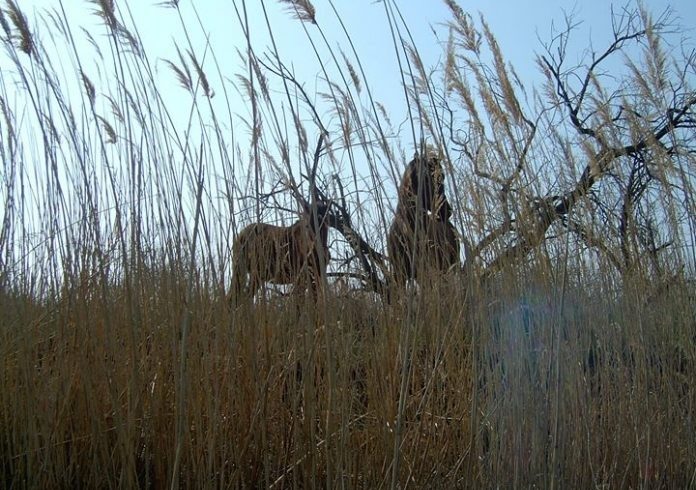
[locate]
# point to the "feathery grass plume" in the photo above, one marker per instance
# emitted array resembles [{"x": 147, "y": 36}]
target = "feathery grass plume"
[
  {"x": 638, "y": 73},
  {"x": 351, "y": 71},
  {"x": 301, "y": 9},
  {"x": 7, "y": 115},
  {"x": 256, "y": 137},
  {"x": 301, "y": 133},
  {"x": 89, "y": 87},
  {"x": 508, "y": 93},
  {"x": 421, "y": 79},
  {"x": 463, "y": 26},
  {"x": 347, "y": 129},
  {"x": 129, "y": 39},
  {"x": 549, "y": 87},
  {"x": 93, "y": 42},
  {"x": 450, "y": 58},
  {"x": 421, "y": 86},
  {"x": 58, "y": 22},
  {"x": 106, "y": 10},
  {"x": 263, "y": 81},
  {"x": 25, "y": 38},
  {"x": 247, "y": 86},
  {"x": 183, "y": 74},
  {"x": 115, "y": 108},
  {"x": 201, "y": 76},
  {"x": 338, "y": 100},
  {"x": 655, "y": 57},
  {"x": 340, "y": 105},
  {"x": 383, "y": 111},
  {"x": 5, "y": 25},
  {"x": 110, "y": 132},
  {"x": 458, "y": 84},
  {"x": 517, "y": 81},
  {"x": 52, "y": 129},
  {"x": 486, "y": 93},
  {"x": 133, "y": 103}
]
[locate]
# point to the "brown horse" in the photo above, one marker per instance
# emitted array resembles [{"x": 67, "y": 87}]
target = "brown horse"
[
  {"x": 421, "y": 239},
  {"x": 295, "y": 254}
]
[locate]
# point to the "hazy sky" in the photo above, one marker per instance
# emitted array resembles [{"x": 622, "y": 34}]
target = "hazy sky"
[{"x": 519, "y": 25}]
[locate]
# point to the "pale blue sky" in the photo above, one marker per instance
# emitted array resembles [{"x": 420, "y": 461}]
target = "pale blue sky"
[{"x": 519, "y": 26}]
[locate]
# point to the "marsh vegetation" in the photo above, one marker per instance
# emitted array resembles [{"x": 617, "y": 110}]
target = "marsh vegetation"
[{"x": 557, "y": 349}]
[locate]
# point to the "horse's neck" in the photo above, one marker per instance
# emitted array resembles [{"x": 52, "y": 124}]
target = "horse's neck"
[{"x": 411, "y": 212}]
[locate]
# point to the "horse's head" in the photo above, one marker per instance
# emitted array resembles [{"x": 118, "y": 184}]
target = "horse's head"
[
  {"x": 423, "y": 184},
  {"x": 320, "y": 210}
]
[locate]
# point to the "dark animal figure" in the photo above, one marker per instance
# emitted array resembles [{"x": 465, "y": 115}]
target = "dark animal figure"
[
  {"x": 295, "y": 254},
  {"x": 422, "y": 242}
]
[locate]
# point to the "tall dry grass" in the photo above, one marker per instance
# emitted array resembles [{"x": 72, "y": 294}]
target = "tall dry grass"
[{"x": 124, "y": 366}]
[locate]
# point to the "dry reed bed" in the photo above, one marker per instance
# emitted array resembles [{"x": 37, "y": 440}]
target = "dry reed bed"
[
  {"x": 122, "y": 365},
  {"x": 304, "y": 395},
  {"x": 273, "y": 392}
]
